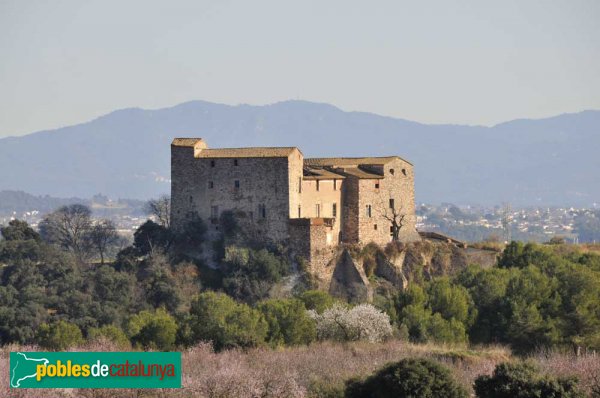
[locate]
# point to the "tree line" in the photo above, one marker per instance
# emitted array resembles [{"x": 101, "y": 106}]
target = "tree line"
[{"x": 156, "y": 293}]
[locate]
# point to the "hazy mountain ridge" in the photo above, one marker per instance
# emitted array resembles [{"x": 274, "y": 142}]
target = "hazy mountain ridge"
[{"x": 126, "y": 153}]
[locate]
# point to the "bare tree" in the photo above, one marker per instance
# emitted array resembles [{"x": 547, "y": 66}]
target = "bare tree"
[
  {"x": 161, "y": 209},
  {"x": 68, "y": 227},
  {"x": 102, "y": 236},
  {"x": 394, "y": 213}
]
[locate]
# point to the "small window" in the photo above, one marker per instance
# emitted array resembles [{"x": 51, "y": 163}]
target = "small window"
[
  {"x": 404, "y": 171},
  {"x": 334, "y": 210},
  {"x": 214, "y": 212},
  {"x": 392, "y": 171},
  {"x": 262, "y": 210},
  {"x": 334, "y": 184},
  {"x": 391, "y": 203},
  {"x": 375, "y": 227},
  {"x": 391, "y": 229},
  {"x": 235, "y": 162},
  {"x": 236, "y": 184},
  {"x": 318, "y": 210},
  {"x": 212, "y": 163},
  {"x": 376, "y": 185},
  {"x": 369, "y": 211},
  {"x": 191, "y": 198},
  {"x": 211, "y": 184},
  {"x": 300, "y": 184},
  {"x": 317, "y": 185},
  {"x": 299, "y": 211}
]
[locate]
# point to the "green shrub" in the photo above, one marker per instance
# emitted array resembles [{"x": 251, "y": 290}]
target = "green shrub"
[
  {"x": 150, "y": 237},
  {"x": 408, "y": 378},
  {"x": 288, "y": 321},
  {"x": 451, "y": 301},
  {"x": 316, "y": 300},
  {"x": 156, "y": 330},
  {"x": 326, "y": 389},
  {"x": 250, "y": 274},
  {"x": 59, "y": 336},
  {"x": 111, "y": 333},
  {"x": 521, "y": 380},
  {"x": 441, "y": 312},
  {"x": 218, "y": 318}
]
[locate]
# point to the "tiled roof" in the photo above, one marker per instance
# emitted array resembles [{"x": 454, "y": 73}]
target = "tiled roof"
[
  {"x": 359, "y": 173},
  {"x": 350, "y": 161},
  {"x": 185, "y": 141},
  {"x": 311, "y": 173},
  {"x": 259, "y": 152}
]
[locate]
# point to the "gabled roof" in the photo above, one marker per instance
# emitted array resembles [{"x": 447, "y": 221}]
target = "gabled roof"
[
  {"x": 351, "y": 161},
  {"x": 258, "y": 152}
]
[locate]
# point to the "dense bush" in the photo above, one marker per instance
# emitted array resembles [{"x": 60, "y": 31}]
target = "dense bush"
[
  {"x": 317, "y": 300},
  {"x": 218, "y": 318},
  {"x": 153, "y": 329},
  {"x": 250, "y": 274},
  {"x": 111, "y": 333},
  {"x": 59, "y": 336},
  {"x": 151, "y": 237},
  {"x": 19, "y": 230},
  {"x": 408, "y": 378},
  {"x": 521, "y": 380},
  {"x": 540, "y": 296},
  {"x": 289, "y": 322},
  {"x": 440, "y": 313}
]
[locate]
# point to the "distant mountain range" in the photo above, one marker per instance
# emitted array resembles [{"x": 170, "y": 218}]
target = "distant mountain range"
[{"x": 553, "y": 161}]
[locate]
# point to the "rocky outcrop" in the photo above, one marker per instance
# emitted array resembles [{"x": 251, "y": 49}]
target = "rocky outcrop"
[
  {"x": 391, "y": 271},
  {"x": 345, "y": 276},
  {"x": 349, "y": 281}
]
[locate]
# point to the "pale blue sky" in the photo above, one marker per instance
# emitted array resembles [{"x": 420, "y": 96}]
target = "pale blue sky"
[{"x": 474, "y": 62}]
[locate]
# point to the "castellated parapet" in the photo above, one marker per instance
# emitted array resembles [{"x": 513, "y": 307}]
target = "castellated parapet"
[{"x": 314, "y": 205}]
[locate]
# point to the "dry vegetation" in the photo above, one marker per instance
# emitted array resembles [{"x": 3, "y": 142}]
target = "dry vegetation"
[
  {"x": 488, "y": 245},
  {"x": 590, "y": 247},
  {"x": 316, "y": 370}
]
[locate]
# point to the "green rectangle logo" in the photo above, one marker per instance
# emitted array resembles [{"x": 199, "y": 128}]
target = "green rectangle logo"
[{"x": 95, "y": 370}]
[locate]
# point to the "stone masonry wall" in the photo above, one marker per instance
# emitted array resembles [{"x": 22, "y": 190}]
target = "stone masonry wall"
[
  {"x": 182, "y": 172},
  {"x": 295, "y": 167},
  {"x": 327, "y": 195},
  {"x": 350, "y": 211},
  {"x": 197, "y": 186},
  {"x": 308, "y": 238},
  {"x": 397, "y": 184}
]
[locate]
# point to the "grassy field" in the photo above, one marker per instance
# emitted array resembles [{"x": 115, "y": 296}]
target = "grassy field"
[{"x": 318, "y": 370}]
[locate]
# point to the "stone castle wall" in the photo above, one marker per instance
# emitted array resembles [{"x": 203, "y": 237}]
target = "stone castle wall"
[
  {"x": 208, "y": 187},
  {"x": 325, "y": 197},
  {"x": 398, "y": 185},
  {"x": 266, "y": 193},
  {"x": 313, "y": 239},
  {"x": 350, "y": 211}
]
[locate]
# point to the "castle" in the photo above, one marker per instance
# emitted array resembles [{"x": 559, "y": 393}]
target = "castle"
[{"x": 314, "y": 205}]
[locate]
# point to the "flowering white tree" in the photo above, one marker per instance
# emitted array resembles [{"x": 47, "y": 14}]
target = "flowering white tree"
[{"x": 363, "y": 322}]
